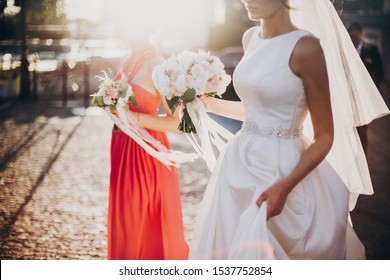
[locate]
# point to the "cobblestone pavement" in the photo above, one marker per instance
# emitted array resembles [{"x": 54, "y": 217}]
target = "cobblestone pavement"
[{"x": 54, "y": 169}]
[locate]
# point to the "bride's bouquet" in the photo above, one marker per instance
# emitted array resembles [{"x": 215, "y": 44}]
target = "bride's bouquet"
[
  {"x": 186, "y": 76},
  {"x": 113, "y": 93}
]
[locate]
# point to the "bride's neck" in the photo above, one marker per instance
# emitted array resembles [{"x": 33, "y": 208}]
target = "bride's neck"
[{"x": 277, "y": 24}]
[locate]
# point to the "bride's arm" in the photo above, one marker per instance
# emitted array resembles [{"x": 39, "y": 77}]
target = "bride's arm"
[
  {"x": 226, "y": 108},
  {"x": 308, "y": 62}
]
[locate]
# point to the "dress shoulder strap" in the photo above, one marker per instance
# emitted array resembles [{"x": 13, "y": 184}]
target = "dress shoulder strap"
[
  {"x": 253, "y": 37},
  {"x": 289, "y": 43}
]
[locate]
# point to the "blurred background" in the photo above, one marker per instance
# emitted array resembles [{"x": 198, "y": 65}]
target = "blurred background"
[
  {"x": 54, "y": 147},
  {"x": 71, "y": 40}
]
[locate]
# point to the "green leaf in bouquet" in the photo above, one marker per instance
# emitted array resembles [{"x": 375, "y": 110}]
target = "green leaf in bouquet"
[
  {"x": 188, "y": 96},
  {"x": 186, "y": 125},
  {"x": 133, "y": 101},
  {"x": 173, "y": 103},
  {"x": 122, "y": 93},
  {"x": 97, "y": 101},
  {"x": 112, "y": 108},
  {"x": 116, "y": 128}
]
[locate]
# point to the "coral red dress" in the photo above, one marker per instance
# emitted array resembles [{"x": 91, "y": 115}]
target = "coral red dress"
[{"x": 144, "y": 210}]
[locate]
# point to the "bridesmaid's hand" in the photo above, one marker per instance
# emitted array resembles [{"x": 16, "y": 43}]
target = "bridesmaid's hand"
[
  {"x": 135, "y": 115},
  {"x": 275, "y": 196},
  {"x": 115, "y": 113}
]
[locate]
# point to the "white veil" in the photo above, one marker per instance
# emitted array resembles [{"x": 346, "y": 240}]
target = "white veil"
[{"x": 355, "y": 99}]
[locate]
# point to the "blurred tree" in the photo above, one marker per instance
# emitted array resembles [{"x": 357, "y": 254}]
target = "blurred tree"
[
  {"x": 42, "y": 12},
  {"x": 339, "y": 5},
  {"x": 362, "y": 6},
  {"x": 8, "y": 22},
  {"x": 38, "y": 12},
  {"x": 16, "y": 16},
  {"x": 3, "y": 5}
]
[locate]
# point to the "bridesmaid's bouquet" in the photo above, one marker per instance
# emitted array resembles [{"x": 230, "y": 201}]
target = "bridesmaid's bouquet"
[
  {"x": 113, "y": 93},
  {"x": 114, "y": 96},
  {"x": 186, "y": 76}
]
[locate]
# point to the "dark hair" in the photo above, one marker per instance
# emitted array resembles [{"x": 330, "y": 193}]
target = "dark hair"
[
  {"x": 354, "y": 26},
  {"x": 284, "y": 3}
]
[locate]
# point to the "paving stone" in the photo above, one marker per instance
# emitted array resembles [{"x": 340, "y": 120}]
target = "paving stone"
[{"x": 54, "y": 172}]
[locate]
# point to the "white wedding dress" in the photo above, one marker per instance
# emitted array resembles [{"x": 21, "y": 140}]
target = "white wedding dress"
[{"x": 314, "y": 221}]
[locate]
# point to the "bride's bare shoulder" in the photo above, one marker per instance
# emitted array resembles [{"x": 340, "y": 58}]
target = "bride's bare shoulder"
[
  {"x": 308, "y": 44},
  {"x": 308, "y": 50}
]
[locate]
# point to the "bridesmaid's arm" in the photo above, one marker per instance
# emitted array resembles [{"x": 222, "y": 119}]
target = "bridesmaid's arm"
[
  {"x": 308, "y": 62},
  {"x": 167, "y": 122},
  {"x": 163, "y": 123}
]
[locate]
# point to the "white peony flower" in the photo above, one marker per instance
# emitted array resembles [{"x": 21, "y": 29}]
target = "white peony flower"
[
  {"x": 189, "y": 80},
  {"x": 102, "y": 91},
  {"x": 181, "y": 84},
  {"x": 107, "y": 100},
  {"x": 129, "y": 92},
  {"x": 200, "y": 84},
  {"x": 160, "y": 80},
  {"x": 197, "y": 71},
  {"x": 212, "y": 85}
]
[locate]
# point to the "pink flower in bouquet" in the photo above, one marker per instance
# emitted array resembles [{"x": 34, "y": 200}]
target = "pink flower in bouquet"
[
  {"x": 183, "y": 77},
  {"x": 212, "y": 84},
  {"x": 113, "y": 93},
  {"x": 197, "y": 71}
]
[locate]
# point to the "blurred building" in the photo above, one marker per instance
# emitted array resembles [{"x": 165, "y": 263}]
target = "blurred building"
[{"x": 374, "y": 16}]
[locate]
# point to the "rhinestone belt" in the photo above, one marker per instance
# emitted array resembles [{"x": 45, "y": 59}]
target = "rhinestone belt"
[{"x": 249, "y": 126}]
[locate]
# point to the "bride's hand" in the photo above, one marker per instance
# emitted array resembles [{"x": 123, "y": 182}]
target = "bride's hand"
[
  {"x": 207, "y": 101},
  {"x": 275, "y": 196}
]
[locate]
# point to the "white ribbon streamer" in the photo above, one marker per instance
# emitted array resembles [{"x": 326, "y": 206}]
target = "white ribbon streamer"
[
  {"x": 153, "y": 147},
  {"x": 212, "y": 136}
]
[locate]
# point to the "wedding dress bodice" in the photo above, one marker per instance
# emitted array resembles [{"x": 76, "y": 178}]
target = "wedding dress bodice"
[
  {"x": 314, "y": 221},
  {"x": 272, "y": 94}
]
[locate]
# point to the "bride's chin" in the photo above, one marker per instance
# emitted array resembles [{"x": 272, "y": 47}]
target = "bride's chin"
[{"x": 253, "y": 17}]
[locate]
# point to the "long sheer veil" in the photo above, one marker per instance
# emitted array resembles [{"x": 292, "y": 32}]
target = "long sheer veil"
[{"x": 356, "y": 100}]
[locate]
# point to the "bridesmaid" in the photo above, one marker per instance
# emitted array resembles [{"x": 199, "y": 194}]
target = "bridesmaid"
[{"x": 144, "y": 210}]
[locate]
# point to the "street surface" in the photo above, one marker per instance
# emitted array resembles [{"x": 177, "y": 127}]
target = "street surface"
[{"x": 54, "y": 171}]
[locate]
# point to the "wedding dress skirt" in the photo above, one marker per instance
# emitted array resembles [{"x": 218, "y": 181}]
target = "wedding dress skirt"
[{"x": 314, "y": 221}]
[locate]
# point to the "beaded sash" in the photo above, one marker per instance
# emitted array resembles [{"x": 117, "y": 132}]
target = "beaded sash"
[{"x": 249, "y": 126}]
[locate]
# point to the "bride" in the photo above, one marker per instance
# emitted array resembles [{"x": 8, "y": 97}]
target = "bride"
[{"x": 274, "y": 193}]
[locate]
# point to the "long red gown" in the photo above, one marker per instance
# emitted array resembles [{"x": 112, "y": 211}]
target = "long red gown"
[{"x": 144, "y": 210}]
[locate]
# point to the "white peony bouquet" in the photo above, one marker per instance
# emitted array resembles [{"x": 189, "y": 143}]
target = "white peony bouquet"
[
  {"x": 113, "y": 93},
  {"x": 186, "y": 76}
]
